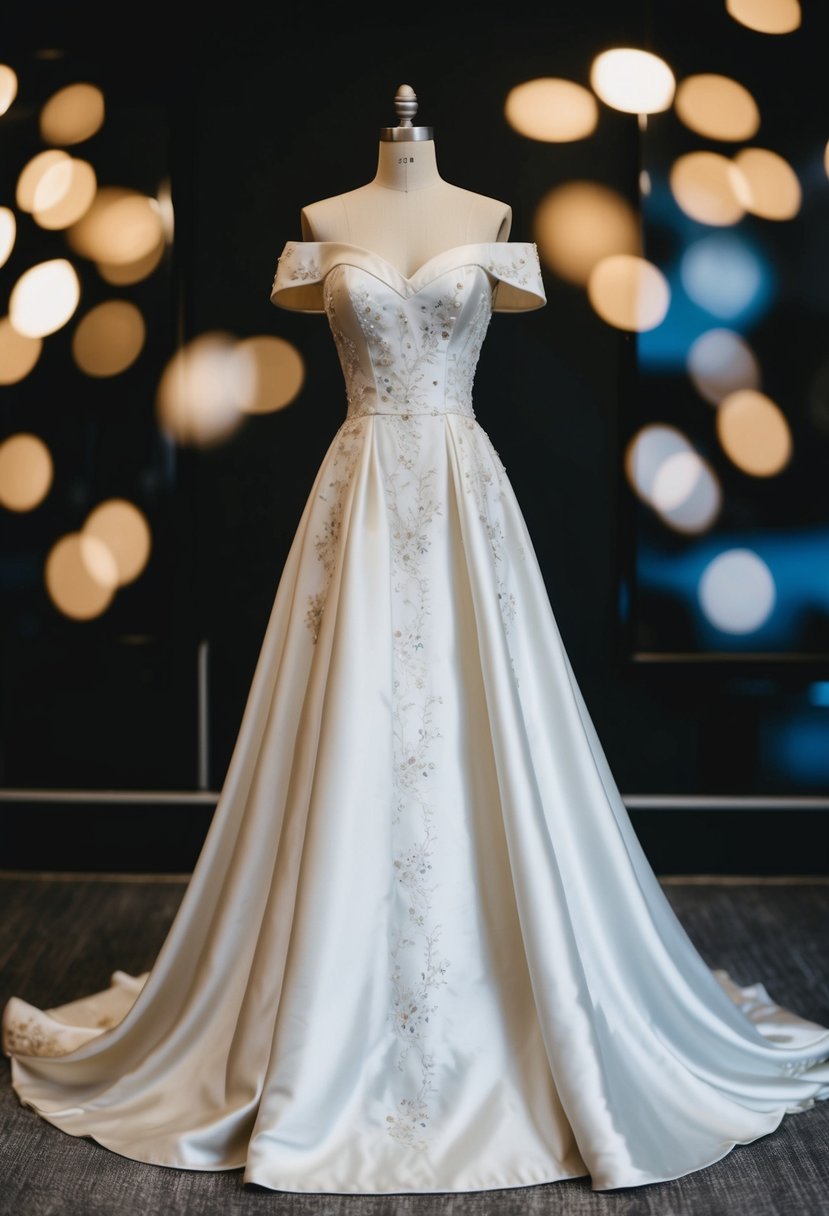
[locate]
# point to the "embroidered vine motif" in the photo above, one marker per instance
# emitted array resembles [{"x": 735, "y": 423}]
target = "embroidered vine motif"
[
  {"x": 357, "y": 387},
  {"x": 408, "y": 347},
  {"x": 461, "y": 365},
  {"x": 327, "y": 539},
  {"x": 485, "y": 482},
  {"x": 417, "y": 965}
]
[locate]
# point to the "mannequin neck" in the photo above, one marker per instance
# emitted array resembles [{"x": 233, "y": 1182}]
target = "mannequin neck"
[{"x": 407, "y": 165}]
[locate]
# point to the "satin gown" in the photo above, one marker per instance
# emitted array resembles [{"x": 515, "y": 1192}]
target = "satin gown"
[{"x": 422, "y": 949}]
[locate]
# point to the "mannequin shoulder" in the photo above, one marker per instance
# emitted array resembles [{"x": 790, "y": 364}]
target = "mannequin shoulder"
[
  {"x": 325, "y": 219},
  {"x": 489, "y": 216}
]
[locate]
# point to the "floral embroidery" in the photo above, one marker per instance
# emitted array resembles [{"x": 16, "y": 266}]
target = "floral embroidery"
[
  {"x": 306, "y": 271},
  {"x": 417, "y": 965},
  {"x": 520, "y": 268},
  {"x": 357, "y": 387},
  {"x": 397, "y": 354},
  {"x": 462, "y": 363},
  {"x": 327, "y": 539},
  {"x": 485, "y": 482}
]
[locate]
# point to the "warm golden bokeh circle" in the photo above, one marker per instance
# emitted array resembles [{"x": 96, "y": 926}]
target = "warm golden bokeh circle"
[
  {"x": 26, "y": 471},
  {"x": 629, "y": 292},
  {"x": 8, "y": 233},
  {"x": 766, "y": 16},
  {"x": 717, "y": 107},
  {"x": 72, "y": 115},
  {"x": 772, "y": 188},
  {"x": 44, "y": 298},
  {"x": 551, "y": 110},
  {"x": 124, "y": 530},
  {"x": 64, "y": 193},
  {"x": 271, "y": 373},
  {"x": 754, "y": 432},
  {"x": 81, "y": 576},
  {"x": 579, "y": 223},
  {"x": 18, "y": 353},
  {"x": 8, "y": 86},
  {"x": 121, "y": 226},
  {"x": 708, "y": 187},
  {"x": 32, "y": 174},
  {"x": 633, "y": 80},
  {"x": 198, "y": 392},
  {"x": 121, "y": 274},
  {"x": 109, "y": 338}
]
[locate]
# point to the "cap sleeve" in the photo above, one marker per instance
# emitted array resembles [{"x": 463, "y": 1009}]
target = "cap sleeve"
[
  {"x": 297, "y": 283},
  {"x": 520, "y": 286}
]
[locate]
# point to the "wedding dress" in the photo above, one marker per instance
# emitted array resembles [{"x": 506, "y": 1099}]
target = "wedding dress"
[{"x": 422, "y": 949}]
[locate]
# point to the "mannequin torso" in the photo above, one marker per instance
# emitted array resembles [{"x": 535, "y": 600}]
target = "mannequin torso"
[{"x": 408, "y": 213}]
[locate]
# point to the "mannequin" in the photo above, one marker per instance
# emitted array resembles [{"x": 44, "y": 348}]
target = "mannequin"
[
  {"x": 407, "y": 213},
  {"x": 422, "y": 949}
]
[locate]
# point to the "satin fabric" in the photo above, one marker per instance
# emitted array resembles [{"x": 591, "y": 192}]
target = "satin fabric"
[{"x": 422, "y": 949}]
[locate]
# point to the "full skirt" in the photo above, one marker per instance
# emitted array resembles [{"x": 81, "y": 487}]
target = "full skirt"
[{"x": 422, "y": 948}]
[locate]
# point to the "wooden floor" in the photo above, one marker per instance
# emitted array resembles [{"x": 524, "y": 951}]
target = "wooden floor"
[{"x": 61, "y": 936}]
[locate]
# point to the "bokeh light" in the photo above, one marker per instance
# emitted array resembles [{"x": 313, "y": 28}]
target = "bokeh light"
[
  {"x": 166, "y": 210},
  {"x": 44, "y": 298},
  {"x": 771, "y": 184},
  {"x": 271, "y": 372},
  {"x": 198, "y": 393},
  {"x": 26, "y": 471},
  {"x": 31, "y": 174},
  {"x": 686, "y": 494},
  {"x": 717, "y": 107},
  {"x": 8, "y": 86},
  {"x": 123, "y": 529},
  {"x": 122, "y": 225},
  {"x": 754, "y": 432},
  {"x": 72, "y": 114},
  {"x": 721, "y": 361},
  {"x": 64, "y": 193},
  {"x": 722, "y": 275},
  {"x": 766, "y": 16},
  {"x": 579, "y": 223},
  {"x": 632, "y": 80},
  {"x": 647, "y": 451},
  {"x": 8, "y": 232},
  {"x": 121, "y": 274},
  {"x": 552, "y": 110},
  {"x": 81, "y": 576},
  {"x": 736, "y": 591},
  {"x": 668, "y": 474},
  {"x": 109, "y": 338},
  {"x": 629, "y": 292},
  {"x": 707, "y": 186},
  {"x": 18, "y": 354}
]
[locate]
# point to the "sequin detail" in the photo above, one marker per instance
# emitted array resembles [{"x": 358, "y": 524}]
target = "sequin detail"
[{"x": 417, "y": 965}]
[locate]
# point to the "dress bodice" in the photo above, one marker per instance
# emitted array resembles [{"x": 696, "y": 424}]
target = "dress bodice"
[{"x": 408, "y": 344}]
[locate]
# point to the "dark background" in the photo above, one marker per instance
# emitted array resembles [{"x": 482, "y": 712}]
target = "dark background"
[{"x": 251, "y": 113}]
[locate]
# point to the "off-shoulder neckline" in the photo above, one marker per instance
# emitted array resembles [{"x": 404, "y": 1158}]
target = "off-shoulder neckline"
[{"x": 410, "y": 280}]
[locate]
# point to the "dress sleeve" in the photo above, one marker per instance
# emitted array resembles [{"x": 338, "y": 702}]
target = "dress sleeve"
[
  {"x": 520, "y": 286},
  {"x": 297, "y": 283}
]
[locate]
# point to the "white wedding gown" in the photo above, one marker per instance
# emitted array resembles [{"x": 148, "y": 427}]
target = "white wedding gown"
[{"x": 422, "y": 949}]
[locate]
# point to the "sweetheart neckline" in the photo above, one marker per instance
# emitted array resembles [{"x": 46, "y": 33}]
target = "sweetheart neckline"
[{"x": 412, "y": 278}]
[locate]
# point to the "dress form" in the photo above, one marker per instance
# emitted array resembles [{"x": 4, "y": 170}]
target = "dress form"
[{"x": 408, "y": 213}]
